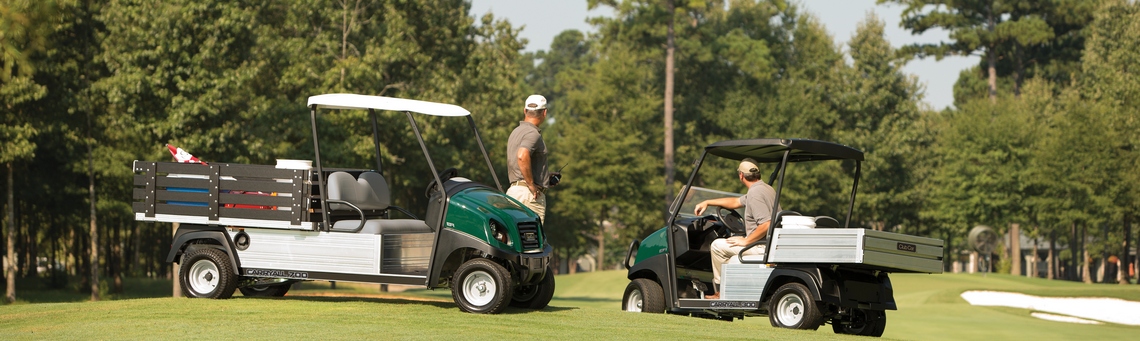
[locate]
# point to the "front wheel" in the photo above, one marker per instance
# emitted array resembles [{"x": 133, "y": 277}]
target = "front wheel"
[
  {"x": 862, "y": 322},
  {"x": 535, "y": 296},
  {"x": 792, "y": 307},
  {"x": 481, "y": 286},
  {"x": 206, "y": 273},
  {"x": 644, "y": 296}
]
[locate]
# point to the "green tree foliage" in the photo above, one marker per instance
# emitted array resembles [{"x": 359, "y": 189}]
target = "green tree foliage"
[
  {"x": 1047, "y": 40},
  {"x": 228, "y": 81},
  {"x": 24, "y": 27},
  {"x": 1110, "y": 78},
  {"x": 1011, "y": 36},
  {"x": 879, "y": 114}
]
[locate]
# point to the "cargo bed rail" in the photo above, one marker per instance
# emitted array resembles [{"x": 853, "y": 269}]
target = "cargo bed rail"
[{"x": 223, "y": 194}]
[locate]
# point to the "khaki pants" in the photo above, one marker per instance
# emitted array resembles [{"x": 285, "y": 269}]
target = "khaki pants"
[
  {"x": 536, "y": 204},
  {"x": 722, "y": 253}
]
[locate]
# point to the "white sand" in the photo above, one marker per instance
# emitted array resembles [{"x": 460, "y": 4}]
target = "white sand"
[{"x": 1066, "y": 309}]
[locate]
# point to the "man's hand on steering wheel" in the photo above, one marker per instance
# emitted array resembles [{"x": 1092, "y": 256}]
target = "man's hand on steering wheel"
[{"x": 700, "y": 208}]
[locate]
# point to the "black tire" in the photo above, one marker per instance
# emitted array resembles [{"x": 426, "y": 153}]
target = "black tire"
[
  {"x": 481, "y": 286},
  {"x": 793, "y": 307},
  {"x": 206, "y": 273},
  {"x": 643, "y": 295},
  {"x": 278, "y": 290},
  {"x": 535, "y": 296},
  {"x": 862, "y": 322}
]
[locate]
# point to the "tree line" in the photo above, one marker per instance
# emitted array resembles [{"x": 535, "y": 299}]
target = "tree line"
[{"x": 1041, "y": 139}]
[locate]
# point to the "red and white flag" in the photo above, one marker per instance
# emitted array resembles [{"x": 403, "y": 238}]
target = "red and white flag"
[{"x": 182, "y": 156}]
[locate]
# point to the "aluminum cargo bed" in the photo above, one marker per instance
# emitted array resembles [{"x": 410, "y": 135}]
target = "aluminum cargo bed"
[{"x": 862, "y": 248}]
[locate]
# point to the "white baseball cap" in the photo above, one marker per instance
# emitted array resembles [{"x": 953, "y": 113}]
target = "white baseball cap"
[
  {"x": 748, "y": 166},
  {"x": 535, "y": 102}
]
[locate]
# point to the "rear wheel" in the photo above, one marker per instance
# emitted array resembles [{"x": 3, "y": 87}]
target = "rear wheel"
[
  {"x": 481, "y": 286},
  {"x": 535, "y": 296},
  {"x": 206, "y": 273},
  {"x": 643, "y": 295},
  {"x": 793, "y": 307},
  {"x": 862, "y": 322},
  {"x": 266, "y": 290}
]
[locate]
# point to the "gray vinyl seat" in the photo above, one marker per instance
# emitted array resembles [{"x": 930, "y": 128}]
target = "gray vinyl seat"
[{"x": 368, "y": 193}]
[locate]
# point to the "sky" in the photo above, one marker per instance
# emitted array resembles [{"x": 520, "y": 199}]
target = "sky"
[{"x": 543, "y": 19}]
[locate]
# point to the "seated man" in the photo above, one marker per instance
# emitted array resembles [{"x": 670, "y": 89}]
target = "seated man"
[{"x": 757, "y": 203}]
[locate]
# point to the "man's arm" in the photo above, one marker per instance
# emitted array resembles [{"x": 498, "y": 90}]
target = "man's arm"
[
  {"x": 523, "y": 156},
  {"x": 726, "y": 202},
  {"x": 759, "y": 233}
]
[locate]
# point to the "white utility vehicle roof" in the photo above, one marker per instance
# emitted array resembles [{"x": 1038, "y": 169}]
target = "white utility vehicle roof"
[{"x": 354, "y": 101}]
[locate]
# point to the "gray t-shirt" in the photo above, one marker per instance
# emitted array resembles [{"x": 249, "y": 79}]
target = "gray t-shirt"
[
  {"x": 757, "y": 205},
  {"x": 527, "y": 135}
]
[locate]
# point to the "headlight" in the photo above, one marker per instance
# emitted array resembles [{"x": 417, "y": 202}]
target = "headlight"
[{"x": 500, "y": 233}]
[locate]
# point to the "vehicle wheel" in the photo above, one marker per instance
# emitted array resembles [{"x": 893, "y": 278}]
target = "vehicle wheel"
[
  {"x": 206, "y": 273},
  {"x": 862, "y": 322},
  {"x": 792, "y": 307},
  {"x": 266, "y": 290},
  {"x": 643, "y": 295},
  {"x": 481, "y": 286},
  {"x": 535, "y": 296}
]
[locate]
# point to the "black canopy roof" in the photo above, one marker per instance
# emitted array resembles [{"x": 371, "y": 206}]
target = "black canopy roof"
[{"x": 772, "y": 150}]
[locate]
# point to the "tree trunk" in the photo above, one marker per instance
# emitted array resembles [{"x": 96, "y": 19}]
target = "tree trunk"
[
  {"x": 1015, "y": 249},
  {"x": 10, "y": 269},
  {"x": 117, "y": 260},
  {"x": 1126, "y": 261},
  {"x": 177, "y": 283},
  {"x": 136, "y": 250},
  {"x": 669, "y": 49},
  {"x": 1084, "y": 256},
  {"x": 991, "y": 54},
  {"x": 601, "y": 245},
  {"x": 94, "y": 226},
  {"x": 1018, "y": 68},
  {"x": 1035, "y": 261},
  {"x": 1074, "y": 252},
  {"x": 1052, "y": 271}
]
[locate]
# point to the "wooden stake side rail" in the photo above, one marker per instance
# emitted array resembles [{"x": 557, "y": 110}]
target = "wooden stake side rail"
[{"x": 223, "y": 194}]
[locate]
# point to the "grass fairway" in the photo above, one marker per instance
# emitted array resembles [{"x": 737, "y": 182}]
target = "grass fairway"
[{"x": 586, "y": 306}]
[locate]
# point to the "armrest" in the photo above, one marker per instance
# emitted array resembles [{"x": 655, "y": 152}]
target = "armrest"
[{"x": 358, "y": 211}]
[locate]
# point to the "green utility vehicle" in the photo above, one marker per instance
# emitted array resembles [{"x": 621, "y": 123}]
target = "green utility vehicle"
[
  {"x": 260, "y": 228},
  {"x": 814, "y": 272}
]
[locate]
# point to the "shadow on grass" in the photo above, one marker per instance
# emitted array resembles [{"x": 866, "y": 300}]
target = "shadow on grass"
[
  {"x": 36, "y": 290},
  {"x": 587, "y": 299},
  {"x": 349, "y": 298},
  {"x": 396, "y": 300}
]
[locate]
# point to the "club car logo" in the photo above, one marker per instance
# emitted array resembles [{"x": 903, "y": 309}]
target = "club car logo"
[
  {"x": 530, "y": 237},
  {"x": 276, "y": 273},
  {"x": 907, "y": 247}
]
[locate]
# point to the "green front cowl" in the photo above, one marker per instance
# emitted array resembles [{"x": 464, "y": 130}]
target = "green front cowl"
[
  {"x": 470, "y": 211},
  {"x": 654, "y": 244}
]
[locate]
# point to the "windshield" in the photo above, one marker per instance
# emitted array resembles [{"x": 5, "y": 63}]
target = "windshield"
[{"x": 696, "y": 195}]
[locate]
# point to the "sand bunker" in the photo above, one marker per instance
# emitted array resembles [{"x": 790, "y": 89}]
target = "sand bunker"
[{"x": 1066, "y": 309}]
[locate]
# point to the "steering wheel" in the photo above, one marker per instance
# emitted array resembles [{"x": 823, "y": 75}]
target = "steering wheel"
[
  {"x": 443, "y": 176},
  {"x": 732, "y": 220}
]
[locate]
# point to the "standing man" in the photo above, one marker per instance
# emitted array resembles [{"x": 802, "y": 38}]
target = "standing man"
[
  {"x": 757, "y": 203},
  {"x": 526, "y": 158}
]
